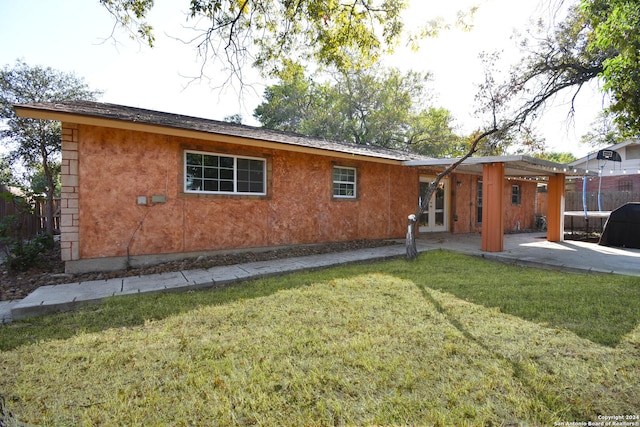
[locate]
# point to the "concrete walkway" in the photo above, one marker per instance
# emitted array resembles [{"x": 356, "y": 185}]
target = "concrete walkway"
[
  {"x": 529, "y": 249},
  {"x": 65, "y": 297}
]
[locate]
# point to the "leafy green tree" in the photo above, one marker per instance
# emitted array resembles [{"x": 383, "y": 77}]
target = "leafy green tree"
[
  {"x": 6, "y": 175},
  {"x": 377, "y": 105},
  {"x": 265, "y": 32},
  {"x": 596, "y": 41},
  {"x": 615, "y": 38},
  {"x": 558, "y": 157},
  {"x": 299, "y": 104},
  {"x": 234, "y": 118},
  {"x": 36, "y": 144},
  {"x": 38, "y": 182},
  {"x": 373, "y": 107},
  {"x": 603, "y": 131},
  {"x": 432, "y": 132}
]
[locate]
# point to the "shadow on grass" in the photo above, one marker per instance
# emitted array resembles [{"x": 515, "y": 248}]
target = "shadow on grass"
[
  {"x": 546, "y": 395},
  {"x": 600, "y": 308}
]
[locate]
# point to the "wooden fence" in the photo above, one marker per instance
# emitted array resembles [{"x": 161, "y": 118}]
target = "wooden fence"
[
  {"x": 30, "y": 223},
  {"x": 609, "y": 201}
]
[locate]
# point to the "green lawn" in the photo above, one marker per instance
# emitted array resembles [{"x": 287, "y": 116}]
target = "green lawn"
[{"x": 445, "y": 340}]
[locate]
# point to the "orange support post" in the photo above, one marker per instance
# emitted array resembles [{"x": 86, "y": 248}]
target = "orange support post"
[
  {"x": 493, "y": 207},
  {"x": 555, "y": 213}
]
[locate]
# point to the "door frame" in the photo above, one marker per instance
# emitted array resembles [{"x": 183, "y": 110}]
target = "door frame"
[{"x": 432, "y": 227}]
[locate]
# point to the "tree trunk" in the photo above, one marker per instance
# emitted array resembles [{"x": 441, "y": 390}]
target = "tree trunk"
[
  {"x": 51, "y": 187},
  {"x": 49, "y": 205},
  {"x": 412, "y": 223},
  {"x": 412, "y": 250},
  {"x": 49, "y": 213}
]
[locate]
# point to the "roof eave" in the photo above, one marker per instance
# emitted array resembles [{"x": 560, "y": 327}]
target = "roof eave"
[
  {"x": 516, "y": 166},
  {"x": 30, "y": 111}
]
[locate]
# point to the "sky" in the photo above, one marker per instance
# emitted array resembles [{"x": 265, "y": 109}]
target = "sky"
[{"x": 75, "y": 36}]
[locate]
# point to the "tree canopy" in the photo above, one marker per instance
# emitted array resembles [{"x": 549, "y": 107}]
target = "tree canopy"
[
  {"x": 32, "y": 140},
  {"x": 6, "y": 176},
  {"x": 36, "y": 144},
  {"x": 603, "y": 131},
  {"x": 382, "y": 107},
  {"x": 596, "y": 41},
  {"x": 264, "y": 32},
  {"x": 615, "y": 39},
  {"x": 558, "y": 157}
]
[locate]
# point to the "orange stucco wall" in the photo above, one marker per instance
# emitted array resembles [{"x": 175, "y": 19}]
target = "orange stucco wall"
[
  {"x": 115, "y": 167},
  {"x": 463, "y": 203},
  {"x": 464, "y": 196},
  {"x": 520, "y": 216}
]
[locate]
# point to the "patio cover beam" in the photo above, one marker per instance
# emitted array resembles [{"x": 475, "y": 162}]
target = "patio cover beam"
[{"x": 494, "y": 169}]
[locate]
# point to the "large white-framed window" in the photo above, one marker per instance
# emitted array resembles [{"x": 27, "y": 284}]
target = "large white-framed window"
[
  {"x": 213, "y": 173},
  {"x": 344, "y": 182}
]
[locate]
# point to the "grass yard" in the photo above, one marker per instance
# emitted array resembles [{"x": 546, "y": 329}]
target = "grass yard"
[{"x": 445, "y": 340}]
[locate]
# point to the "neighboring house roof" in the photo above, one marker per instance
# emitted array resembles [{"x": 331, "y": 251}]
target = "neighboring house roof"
[
  {"x": 629, "y": 151},
  {"x": 120, "y": 116},
  {"x": 592, "y": 155}
]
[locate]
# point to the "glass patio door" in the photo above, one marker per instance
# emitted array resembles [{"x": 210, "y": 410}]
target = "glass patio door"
[{"x": 436, "y": 216}]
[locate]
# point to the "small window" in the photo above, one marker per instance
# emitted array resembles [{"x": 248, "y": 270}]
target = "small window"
[
  {"x": 515, "y": 194},
  {"x": 344, "y": 182},
  {"x": 222, "y": 174}
]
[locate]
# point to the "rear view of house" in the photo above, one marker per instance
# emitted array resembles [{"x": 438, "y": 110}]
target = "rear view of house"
[{"x": 142, "y": 187}]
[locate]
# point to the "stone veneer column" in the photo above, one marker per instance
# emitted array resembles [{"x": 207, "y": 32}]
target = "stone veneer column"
[{"x": 69, "y": 207}]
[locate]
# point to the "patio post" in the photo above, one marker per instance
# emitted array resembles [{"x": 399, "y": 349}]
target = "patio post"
[
  {"x": 555, "y": 213},
  {"x": 492, "y": 207}
]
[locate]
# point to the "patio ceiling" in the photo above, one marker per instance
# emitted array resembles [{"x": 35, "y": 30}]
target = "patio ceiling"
[{"x": 516, "y": 166}]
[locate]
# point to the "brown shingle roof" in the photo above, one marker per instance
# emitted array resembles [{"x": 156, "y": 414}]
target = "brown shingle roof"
[{"x": 176, "y": 121}]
